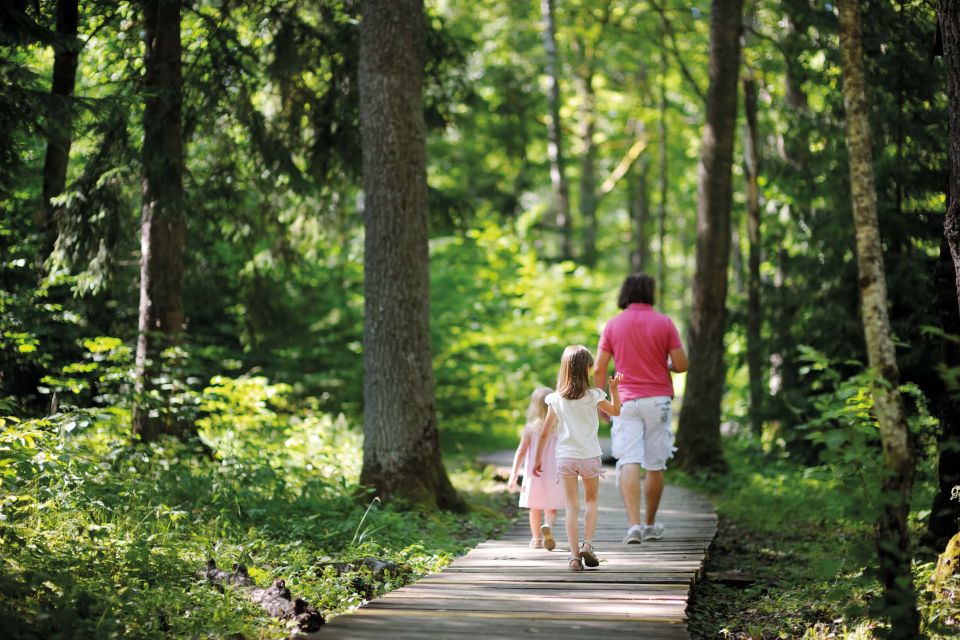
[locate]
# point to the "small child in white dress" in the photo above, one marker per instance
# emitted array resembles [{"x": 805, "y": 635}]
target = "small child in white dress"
[{"x": 541, "y": 495}]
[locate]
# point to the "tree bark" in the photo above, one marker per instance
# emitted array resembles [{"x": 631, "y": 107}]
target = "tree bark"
[
  {"x": 161, "y": 226},
  {"x": 893, "y": 538},
  {"x": 664, "y": 179},
  {"x": 945, "y": 512},
  {"x": 639, "y": 204},
  {"x": 751, "y": 157},
  {"x": 949, "y": 19},
  {"x": 588, "y": 167},
  {"x": 558, "y": 176},
  {"x": 401, "y": 452},
  {"x": 698, "y": 436},
  {"x": 60, "y": 120}
]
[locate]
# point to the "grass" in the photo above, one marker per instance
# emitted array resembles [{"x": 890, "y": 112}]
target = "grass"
[
  {"x": 787, "y": 528},
  {"x": 102, "y": 539}
]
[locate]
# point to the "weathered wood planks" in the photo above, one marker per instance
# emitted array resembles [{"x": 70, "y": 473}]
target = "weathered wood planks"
[{"x": 504, "y": 589}]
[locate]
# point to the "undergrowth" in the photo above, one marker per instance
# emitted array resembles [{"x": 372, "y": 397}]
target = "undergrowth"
[
  {"x": 789, "y": 562},
  {"x": 101, "y": 538}
]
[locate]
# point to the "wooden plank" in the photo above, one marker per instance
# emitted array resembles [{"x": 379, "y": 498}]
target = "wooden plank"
[{"x": 504, "y": 589}]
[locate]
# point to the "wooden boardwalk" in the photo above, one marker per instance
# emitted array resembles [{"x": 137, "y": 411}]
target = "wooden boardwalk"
[{"x": 504, "y": 589}]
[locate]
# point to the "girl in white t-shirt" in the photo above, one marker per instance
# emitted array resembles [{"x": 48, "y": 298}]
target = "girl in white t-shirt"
[{"x": 573, "y": 413}]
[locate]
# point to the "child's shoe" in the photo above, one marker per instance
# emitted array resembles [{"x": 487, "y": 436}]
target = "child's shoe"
[
  {"x": 548, "y": 541},
  {"x": 536, "y": 543},
  {"x": 575, "y": 564},
  {"x": 589, "y": 557}
]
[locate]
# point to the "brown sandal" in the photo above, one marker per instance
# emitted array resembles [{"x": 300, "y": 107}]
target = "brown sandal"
[
  {"x": 575, "y": 564},
  {"x": 589, "y": 557},
  {"x": 548, "y": 540}
]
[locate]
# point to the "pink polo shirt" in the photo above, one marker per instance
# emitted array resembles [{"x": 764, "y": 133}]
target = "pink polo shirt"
[{"x": 640, "y": 340}]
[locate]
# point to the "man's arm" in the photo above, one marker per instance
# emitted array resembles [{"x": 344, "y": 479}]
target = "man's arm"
[
  {"x": 678, "y": 360},
  {"x": 600, "y": 369}
]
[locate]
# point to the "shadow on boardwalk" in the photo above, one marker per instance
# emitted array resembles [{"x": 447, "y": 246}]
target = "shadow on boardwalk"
[{"x": 504, "y": 589}]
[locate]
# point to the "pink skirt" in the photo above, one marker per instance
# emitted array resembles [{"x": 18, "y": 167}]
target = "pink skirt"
[{"x": 544, "y": 492}]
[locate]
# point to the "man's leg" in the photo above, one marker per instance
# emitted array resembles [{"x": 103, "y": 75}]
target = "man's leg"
[
  {"x": 630, "y": 492},
  {"x": 652, "y": 490}
]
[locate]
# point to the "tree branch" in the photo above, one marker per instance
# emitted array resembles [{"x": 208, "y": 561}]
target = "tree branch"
[{"x": 672, "y": 36}]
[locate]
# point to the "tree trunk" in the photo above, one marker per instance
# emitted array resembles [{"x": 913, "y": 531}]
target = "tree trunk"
[
  {"x": 949, "y": 18},
  {"x": 161, "y": 226},
  {"x": 945, "y": 513},
  {"x": 664, "y": 181},
  {"x": 558, "y": 177},
  {"x": 893, "y": 538},
  {"x": 698, "y": 436},
  {"x": 60, "y": 119},
  {"x": 401, "y": 452},
  {"x": 588, "y": 168},
  {"x": 751, "y": 159},
  {"x": 639, "y": 205}
]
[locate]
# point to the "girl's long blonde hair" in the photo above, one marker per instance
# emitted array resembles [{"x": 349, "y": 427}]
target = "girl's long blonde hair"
[
  {"x": 573, "y": 380},
  {"x": 537, "y": 409}
]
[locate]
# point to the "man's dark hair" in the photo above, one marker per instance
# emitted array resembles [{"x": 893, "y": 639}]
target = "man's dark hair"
[{"x": 638, "y": 287}]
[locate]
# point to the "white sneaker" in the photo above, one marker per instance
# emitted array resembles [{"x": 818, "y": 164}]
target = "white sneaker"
[
  {"x": 652, "y": 531},
  {"x": 634, "y": 535}
]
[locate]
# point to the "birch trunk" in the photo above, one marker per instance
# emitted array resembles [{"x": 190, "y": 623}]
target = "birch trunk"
[{"x": 893, "y": 539}]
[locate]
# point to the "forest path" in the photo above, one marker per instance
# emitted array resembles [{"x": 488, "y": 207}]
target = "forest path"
[{"x": 504, "y": 589}]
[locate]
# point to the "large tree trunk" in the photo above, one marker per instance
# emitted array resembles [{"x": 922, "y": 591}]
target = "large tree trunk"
[
  {"x": 949, "y": 18},
  {"x": 893, "y": 538},
  {"x": 558, "y": 176},
  {"x": 401, "y": 452},
  {"x": 698, "y": 436},
  {"x": 161, "y": 226},
  {"x": 588, "y": 167},
  {"x": 751, "y": 157},
  {"x": 60, "y": 120},
  {"x": 945, "y": 513}
]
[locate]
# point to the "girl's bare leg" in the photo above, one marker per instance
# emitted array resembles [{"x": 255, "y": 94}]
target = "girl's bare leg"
[
  {"x": 534, "y": 523},
  {"x": 572, "y": 514},
  {"x": 550, "y": 517},
  {"x": 590, "y": 488}
]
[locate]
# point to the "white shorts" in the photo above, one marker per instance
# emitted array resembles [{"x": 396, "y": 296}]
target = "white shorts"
[{"x": 642, "y": 433}]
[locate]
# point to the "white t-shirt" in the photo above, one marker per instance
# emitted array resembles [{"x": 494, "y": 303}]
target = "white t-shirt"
[{"x": 577, "y": 424}]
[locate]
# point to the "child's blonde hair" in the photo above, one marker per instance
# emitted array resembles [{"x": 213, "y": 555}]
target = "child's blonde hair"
[
  {"x": 573, "y": 380},
  {"x": 537, "y": 409}
]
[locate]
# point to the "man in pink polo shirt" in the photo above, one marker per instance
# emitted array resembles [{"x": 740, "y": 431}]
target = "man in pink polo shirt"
[{"x": 645, "y": 347}]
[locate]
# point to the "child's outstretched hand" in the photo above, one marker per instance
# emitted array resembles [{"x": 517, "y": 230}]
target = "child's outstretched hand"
[
  {"x": 615, "y": 379},
  {"x": 512, "y": 484}
]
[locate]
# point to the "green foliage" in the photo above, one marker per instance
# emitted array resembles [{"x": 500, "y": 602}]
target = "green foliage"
[
  {"x": 500, "y": 321},
  {"x": 103, "y": 539},
  {"x": 789, "y": 529}
]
